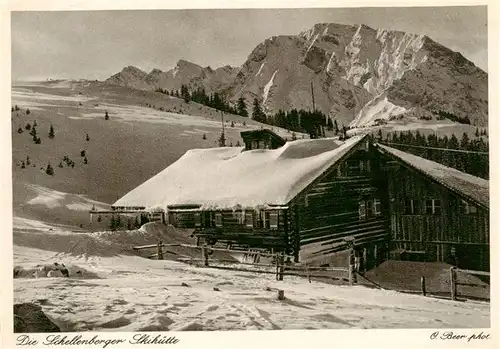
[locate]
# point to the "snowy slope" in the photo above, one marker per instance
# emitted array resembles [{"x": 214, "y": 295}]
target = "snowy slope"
[{"x": 128, "y": 293}]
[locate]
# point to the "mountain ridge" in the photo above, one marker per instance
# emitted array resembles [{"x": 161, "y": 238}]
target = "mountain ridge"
[{"x": 360, "y": 76}]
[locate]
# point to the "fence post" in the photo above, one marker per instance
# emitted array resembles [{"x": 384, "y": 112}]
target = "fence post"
[
  {"x": 159, "y": 248},
  {"x": 282, "y": 266},
  {"x": 422, "y": 285},
  {"x": 453, "y": 283},
  {"x": 308, "y": 273}
]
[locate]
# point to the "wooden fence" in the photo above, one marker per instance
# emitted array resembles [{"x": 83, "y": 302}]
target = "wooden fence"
[
  {"x": 454, "y": 283},
  {"x": 280, "y": 267}
]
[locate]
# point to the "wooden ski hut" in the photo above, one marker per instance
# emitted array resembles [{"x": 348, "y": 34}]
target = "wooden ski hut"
[{"x": 310, "y": 198}]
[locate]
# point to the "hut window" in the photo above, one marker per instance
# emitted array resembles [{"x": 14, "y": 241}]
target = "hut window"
[
  {"x": 197, "y": 219},
  {"x": 249, "y": 219},
  {"x": 362, "y": 210},
  {"x": 273, "y": 220},
  {"x": 468, "y": 208},
  {"x": 433, "y": 207},
  {"x": 411, "y": 207},
  {"x": 377, "y": 207},
  {"x": 218, "y": 219}
]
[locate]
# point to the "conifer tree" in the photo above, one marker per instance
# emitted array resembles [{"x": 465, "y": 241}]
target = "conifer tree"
[
  {"x": 60, "y": 165},
  {"x": 241, "y": 107},
  {"x": 28, "y": 127},
  {"x": 35, "y": 123},
  {"x": 28, "y": 162},
  {"x": 85, "y": 161},
  {"x": 82, "y": 153},
  {"x": 257, "y": 113},
  {"x": 51, "y": 132},
  {"x": 49, "y": 170},
  {"x": 106, "y": 116},
  {"x": 87, "y": 138},
  {"x": 204, "y": 136},
  {"x": 20, "y": 130},
  {"x": 222, "y": 140},
  {"x": 28, "y": 112},
  {"x": 23, "y": 165}
]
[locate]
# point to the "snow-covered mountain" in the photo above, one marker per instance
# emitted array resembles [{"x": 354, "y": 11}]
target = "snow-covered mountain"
[
  {"x": 359, "y": 75},
  {"x": 184, "y": 73}
]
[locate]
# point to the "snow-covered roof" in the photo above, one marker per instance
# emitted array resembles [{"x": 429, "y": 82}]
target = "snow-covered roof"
[
  {"x": 474, "y": 188},
  {"x": 223, "y": 178}
]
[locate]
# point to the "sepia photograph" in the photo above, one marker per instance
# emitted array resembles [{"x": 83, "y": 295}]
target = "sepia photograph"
[{"x": 250, "y": 169}]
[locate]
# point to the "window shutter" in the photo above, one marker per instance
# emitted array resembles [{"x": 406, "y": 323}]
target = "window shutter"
[
  {"x": 218, "y": 219},
  {"x": 273, "y": 220},
  {"x": 197, "y": 219},
  {"x": 249, "y": 219}
]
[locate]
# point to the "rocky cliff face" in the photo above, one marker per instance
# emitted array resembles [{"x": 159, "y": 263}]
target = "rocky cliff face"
[{"x": 359, "y": 75}]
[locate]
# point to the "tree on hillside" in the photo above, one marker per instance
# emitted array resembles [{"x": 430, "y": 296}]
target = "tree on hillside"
[
  {"x": 20, "y": 130},
  {"x": 28, "y": 111},
  {"x": 60, "y": 165},
  {"x": 106, "y": 116},
  {"x": 85, "y": 161},
  {"x": 241, "y": 107},
  {"x": 222, "y": 140},
  {"x": 23, "y": 165},
  {"x": 82, "y": 153},
  {"x": 257, "y": 113},
  {"x": 51, "y": 132},
  {"x": 204, "y": 136},
  {"x": 87, "y": 138},
  {"x": 28, "y": 162},
  {"x": 35, "y": 123},
  {"x": 28, "y": 127},
  {"x": 186, "y": 96},
  {"x": 49, "y": 170}
]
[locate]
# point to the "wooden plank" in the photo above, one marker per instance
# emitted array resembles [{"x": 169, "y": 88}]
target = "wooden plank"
[{"x": 474, "y": 272}]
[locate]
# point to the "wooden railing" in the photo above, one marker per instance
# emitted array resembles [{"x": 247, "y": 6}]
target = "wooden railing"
[
  {"x": 280, "y": 267},
  {"x": 453, "y": 279}
]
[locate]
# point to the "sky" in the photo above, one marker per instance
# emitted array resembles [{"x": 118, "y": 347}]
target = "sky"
[{"x": 98, "y": 44}]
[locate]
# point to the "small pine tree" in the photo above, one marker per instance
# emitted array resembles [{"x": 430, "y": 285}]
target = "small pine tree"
[
  {"x": 28, "y": 127},
  {"x": 60, "y": 165},
  {"x": 28, "y": 112},
  {"x": 35, "y": 123},
  {"x": 222, "y": 140},
  {"x": 87, "y": 138},
  {"x": 28, "y": 162},
  {"x": 20, "y": 130},
  {"x": 23, "y": 165},
  {"x": 106, "y": 116},
  {"x": 85, "y": 161},
  {"x": 72, "y": 164},
  {"x": 51, "y": 132},
  {"x": 82, "y": 153},
  {"x": 49, "y": 170},
  {"x": 204, "y": 136},
  {"x": 16, "y": 108}
]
